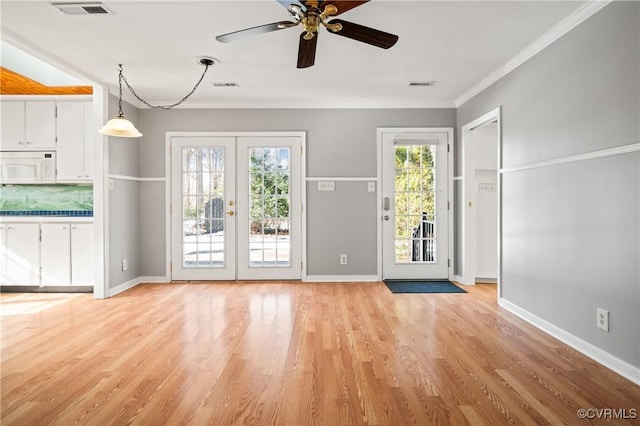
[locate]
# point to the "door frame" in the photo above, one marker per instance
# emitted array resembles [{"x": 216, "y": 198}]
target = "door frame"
[
  {"x": 468, "y": 215},
  {"x": 379, "y": 211},
  {"x": 303, "y": 174}
]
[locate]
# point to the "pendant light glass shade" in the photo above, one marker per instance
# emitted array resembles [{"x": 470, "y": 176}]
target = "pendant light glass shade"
[{"x": 120, "y": 127}]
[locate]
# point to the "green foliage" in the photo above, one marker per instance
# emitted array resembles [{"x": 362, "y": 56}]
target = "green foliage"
[
  {"x": 269, "y": 197},
  {"x": 414, "y": 184}
]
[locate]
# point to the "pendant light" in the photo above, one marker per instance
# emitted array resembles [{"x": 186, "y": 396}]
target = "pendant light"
[{"x": 123, "y": 128}]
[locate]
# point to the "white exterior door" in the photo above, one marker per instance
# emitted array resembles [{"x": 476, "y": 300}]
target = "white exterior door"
[
  {"x": 414, "y": 193},
  {"x": 269, "y": 208},
  {"x": 203, "y": 208},
  {"x": 236, "y": 207}
]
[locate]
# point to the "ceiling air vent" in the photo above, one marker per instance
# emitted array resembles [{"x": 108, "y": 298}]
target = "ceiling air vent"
[
  {"x": 83, "y": 8},
  {"x": 422, "y": 83},
  {"x": 224, "y": 84}
]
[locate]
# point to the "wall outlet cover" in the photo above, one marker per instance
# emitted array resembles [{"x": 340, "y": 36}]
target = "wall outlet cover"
[{"x": 602, "y": 318}]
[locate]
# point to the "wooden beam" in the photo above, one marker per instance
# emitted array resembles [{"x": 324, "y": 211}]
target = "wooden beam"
[{"x": 12, "y": 83}]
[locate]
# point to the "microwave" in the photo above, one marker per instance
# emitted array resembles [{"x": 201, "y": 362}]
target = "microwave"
[{"x": 27, "y": 167}]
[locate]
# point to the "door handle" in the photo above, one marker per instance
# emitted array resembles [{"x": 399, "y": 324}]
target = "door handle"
[
  {"x": 386, "y": 203},
  {"x": 231, "y": 213},
  {"x": 386, "y": 217}
]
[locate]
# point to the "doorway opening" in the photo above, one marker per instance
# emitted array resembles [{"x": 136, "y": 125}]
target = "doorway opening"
[{"x": 480, "y": 206}]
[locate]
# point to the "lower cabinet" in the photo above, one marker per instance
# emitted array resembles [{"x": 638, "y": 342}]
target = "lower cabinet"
[
  {"x": 56, "y": 254},
  {"x": 82, "y": 254},
  {"x": 19, "y": 253},
  {"x": 47, "y": 254},
  {"x": 67, "y": 254}
]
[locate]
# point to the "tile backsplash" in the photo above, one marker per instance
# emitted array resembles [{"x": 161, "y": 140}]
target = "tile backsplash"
[{"x": 46, "y": 200}]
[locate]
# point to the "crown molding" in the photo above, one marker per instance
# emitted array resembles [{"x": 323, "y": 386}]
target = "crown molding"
[
  {"x": 569, "y": 23},
  {"x": 296, "y": 104}
]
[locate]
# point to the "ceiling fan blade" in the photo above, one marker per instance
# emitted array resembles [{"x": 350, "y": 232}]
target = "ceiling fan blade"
[
  {"x": 365, "y": 34},
  {"x": 307, "y": 51},
  {"x": 341, "y": 5},
  {"x": 260, "y": 29}
]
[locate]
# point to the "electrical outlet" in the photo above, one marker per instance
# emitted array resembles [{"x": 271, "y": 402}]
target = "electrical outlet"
[
  {"x": 602, "y": 319},
  {"x": 344, "y": 259},
  {"x": 125, "y": 265}
]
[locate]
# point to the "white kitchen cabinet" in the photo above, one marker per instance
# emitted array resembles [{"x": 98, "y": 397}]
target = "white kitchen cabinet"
[
  {"x": 89, "y": 139},
  {"x": 55, "y": 253},
  {"x": 28, "y": 125},
  {"x": 75, "y": 146},
  {"x": 82, "y": 254},
  {"x": 67, "y": 254},
  {"x": 47, "y": 254},
  {"x": 20, "y": 254},
  {"x": 12, "y": 131}
]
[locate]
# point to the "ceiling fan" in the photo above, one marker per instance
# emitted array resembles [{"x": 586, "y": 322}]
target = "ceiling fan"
[{"x": 313, "y": 14}]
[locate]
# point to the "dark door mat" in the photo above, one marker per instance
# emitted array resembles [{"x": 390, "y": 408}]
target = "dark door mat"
[{"x": 422, "y": 286}]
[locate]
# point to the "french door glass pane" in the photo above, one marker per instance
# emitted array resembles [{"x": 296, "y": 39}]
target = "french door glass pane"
[
  {"x": 415, "y": 205},
  {"x": 203, "y": 200},
  {"x": 269, "y": 212}
]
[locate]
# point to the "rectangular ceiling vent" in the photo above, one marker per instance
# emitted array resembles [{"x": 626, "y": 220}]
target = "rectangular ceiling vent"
[
  {"x": 224, "y": 84},
  {"x": 422, "y": 83},
  {"x": 83, "y": 8}
]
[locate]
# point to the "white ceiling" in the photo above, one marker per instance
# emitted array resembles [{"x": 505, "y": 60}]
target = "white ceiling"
[{"x": 456, "y": 43}]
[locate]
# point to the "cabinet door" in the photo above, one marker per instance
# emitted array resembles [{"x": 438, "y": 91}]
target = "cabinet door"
[
  {"x": 23, "y": 254},
  {"x": 3, "y": 254},
  {"x": 70, "y": 150},
  {"x": 12, "y": 132},
  {"x": 82, "y": 254},
  {"x": 89, "y": 139},
  {"x": 40, "y": 124},
  {"x": 56, "y": 253}
]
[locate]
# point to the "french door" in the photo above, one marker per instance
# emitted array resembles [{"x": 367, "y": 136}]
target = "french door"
[
  {"x": 415, "y": 228},
  {"x": 235, "y": 207}
]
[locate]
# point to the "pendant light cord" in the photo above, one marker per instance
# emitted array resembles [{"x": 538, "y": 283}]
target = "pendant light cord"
[{"x": 122, "y": 78}]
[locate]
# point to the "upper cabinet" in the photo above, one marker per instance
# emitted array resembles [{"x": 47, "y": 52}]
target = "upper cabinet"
[
  {"x": 60, "y": 125},
  {"x": 28, "y": 125},
  {"x": 75, "y": 144}
]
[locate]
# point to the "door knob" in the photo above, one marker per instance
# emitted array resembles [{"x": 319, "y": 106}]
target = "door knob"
[
  {"x": 386, "y": 217},
  {"x": 230, "y": 213}
]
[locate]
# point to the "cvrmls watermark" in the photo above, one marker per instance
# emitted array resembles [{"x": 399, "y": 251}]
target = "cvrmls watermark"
[{"x": 607, "y": 413}]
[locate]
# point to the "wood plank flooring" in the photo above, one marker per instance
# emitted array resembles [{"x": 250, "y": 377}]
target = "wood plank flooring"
[{"x": 291, "y": 353}]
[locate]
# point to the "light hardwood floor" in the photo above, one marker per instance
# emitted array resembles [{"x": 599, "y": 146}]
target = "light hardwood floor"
[{"x": 291, "y": 353}]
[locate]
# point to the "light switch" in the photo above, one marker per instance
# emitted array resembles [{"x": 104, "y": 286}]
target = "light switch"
[
  {"x": 487, "y": 187},
  {"x": 326, "y": 186}
]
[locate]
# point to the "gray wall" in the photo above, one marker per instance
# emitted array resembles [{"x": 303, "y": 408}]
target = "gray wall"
[
  {"x": 123, "y": 202},
  {"x": 570, "y": 232},
  {"x": 340, "y": 143}
]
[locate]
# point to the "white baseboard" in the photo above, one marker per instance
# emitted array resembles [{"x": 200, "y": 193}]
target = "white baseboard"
[
  {"x": 600, "y": 356},
  {"x": 123, "y": 287},
  {"x": 341, "y": 278},
  {"x": 134, "y": 282},
  {"x": 158, "y": 279}
]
